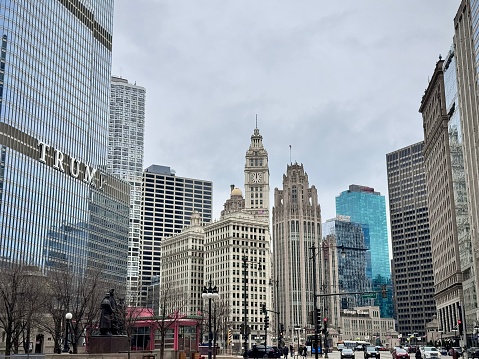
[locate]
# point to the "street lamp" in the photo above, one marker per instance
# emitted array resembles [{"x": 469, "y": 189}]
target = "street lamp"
[
  {"x": 66, "y": 346},
  {"x": 209, "y": 293},
  {"x": 245, "y": 301}
]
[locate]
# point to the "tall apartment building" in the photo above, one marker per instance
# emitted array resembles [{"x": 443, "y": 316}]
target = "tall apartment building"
[
  {"x": 125, "y": 160},
  {"x": 367, "y": 207},
  {"x": 466, "y": 42},
  {"x": 233, "y": 252},
  {"x": 344, "y": 253},
  {"x": 58, "y": 206},
  {"x": 296, "y": 228},
  {"x": 412, "y": 270},
  {"x": 168, "y": 201},
  {"x": 452, "y": 259}
]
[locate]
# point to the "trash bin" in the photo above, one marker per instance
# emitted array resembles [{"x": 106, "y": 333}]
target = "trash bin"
[{"x": 182, "y": 355}]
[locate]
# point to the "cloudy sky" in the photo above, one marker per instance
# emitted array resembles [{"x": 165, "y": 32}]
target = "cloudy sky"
[{"x": 339, "y": 81}]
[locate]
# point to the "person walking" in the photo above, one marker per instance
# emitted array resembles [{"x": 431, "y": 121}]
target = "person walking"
[
  {"x": 285, "y": 351},
  {"x": 418, "y": 353}
]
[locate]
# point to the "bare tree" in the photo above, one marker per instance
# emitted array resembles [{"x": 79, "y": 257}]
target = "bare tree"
[
  {"x": 21, "y": 298},
  {"x": 172, "y": 301},
  {"x": 79, "y": 296}
]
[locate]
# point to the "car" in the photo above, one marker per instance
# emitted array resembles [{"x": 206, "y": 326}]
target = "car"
[
  {"x": 347, "y": 353},
  {"x": 259, "y": 351},
  {"x": 430, "y": 353},
  {"x": 443, "y": 351},
  {"x": 381, "y": 348},
  {"x": 371, "y": 352},
  {"x": 473, "y": 352},
  {"x": 400, "y": 353},
  {"x": 458, "y": 350}
]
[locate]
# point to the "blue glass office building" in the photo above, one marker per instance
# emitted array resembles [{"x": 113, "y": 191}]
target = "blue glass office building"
[
  {"x": 365, "y": 206},
  {"x": 57, "y": 204}
]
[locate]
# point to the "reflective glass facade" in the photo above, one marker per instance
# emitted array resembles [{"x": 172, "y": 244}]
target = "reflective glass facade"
[
  {"x": 351, "y": 260},
  {"x": 365, "y": 206},
  {"x": 57, "y": 204},
  {"x": 463, "y": 227}
]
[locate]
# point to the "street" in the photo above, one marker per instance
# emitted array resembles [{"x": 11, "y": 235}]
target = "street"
[{"x": 336, "y": 355}]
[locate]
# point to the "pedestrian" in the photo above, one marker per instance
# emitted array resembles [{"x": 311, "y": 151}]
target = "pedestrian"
[
  {"x": 418, "y": 353},
  {"x": 305, "y": 351},
  {"x": 285, "y": 351},
  {"x": 291, "y": 349}
]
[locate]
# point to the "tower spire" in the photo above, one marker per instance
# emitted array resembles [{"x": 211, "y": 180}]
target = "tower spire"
[{"x": 256, "y": 120}]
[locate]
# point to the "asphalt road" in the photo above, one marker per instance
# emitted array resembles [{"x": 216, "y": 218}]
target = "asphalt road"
[{"x": 336, "y": 355}]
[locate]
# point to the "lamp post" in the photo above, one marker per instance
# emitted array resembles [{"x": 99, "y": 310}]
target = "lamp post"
[
  {"x": 66, "y": 346},
  {"x": 209, "y": 293},
  {"x": 245, "y": 301}
]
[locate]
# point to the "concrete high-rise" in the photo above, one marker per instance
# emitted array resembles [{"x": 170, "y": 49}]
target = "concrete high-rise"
[
  {"x": 125, "y": 160},
  {"x": 233, "y": 252},
  {"x": 446, "y": 192},
  {"x": 466, "y": 52},
  {"x": 58, "y": 205},
  {"x": 368, "y": 207},
  {"x": 412, "y": 270},
  {"x": 168, "y": 201},
  {"x": 296, "y": 228}
]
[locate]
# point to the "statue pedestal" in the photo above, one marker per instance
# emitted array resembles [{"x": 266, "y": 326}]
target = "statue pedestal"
[{"x": 99, "y": 344}]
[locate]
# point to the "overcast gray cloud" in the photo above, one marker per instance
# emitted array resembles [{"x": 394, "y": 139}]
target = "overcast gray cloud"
[{"x": 339, "y": 81}]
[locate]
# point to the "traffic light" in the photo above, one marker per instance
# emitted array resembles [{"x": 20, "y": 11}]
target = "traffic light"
[
  {"x": 266, "y": 322},
  {"x": 281, "y": 329},
  {"x": 460, "y": 327},
  {"x": 384, "y": 292},
  {"x": 325, "y": 326},
  {"x": 318, "y": 316}
]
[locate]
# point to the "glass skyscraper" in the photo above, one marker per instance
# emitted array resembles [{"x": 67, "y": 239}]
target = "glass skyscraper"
[
  {"x": 345, "y": 241},
  {"x": 365, "y": 206},
  {"x": 58, "y": 205}
]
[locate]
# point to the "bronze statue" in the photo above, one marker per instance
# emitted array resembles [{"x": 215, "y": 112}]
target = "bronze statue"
[
  {"x": 111, "y": 321},
  {"x": 106, "y": 315}
]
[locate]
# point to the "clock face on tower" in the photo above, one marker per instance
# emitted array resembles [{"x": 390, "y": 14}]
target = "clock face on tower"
[{"x": 256, "y": 177}]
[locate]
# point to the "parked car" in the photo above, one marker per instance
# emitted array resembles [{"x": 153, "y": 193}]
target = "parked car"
[
  {"x": 259, "y": 351},
  {"x": 472, "y": 353},
  {"x": 347, "y": 353},
  {"x": 430, "y": 353},
  {"x": 371, "y": 352},
  {"x": 458, "y": 350},
  {"x": 400, "y": 353}
]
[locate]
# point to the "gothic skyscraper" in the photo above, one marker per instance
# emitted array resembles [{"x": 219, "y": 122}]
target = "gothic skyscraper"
[{"x": 296, "y": 228}]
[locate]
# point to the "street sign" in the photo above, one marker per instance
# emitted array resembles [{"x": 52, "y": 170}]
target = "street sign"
[{"x": 369, "y": 295}]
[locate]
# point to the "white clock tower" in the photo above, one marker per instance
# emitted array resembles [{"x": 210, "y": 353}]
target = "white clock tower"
[{"x": 256, "y": 172}]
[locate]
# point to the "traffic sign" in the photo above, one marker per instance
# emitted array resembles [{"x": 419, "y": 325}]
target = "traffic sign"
[{"x": 369, "y": 295}]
